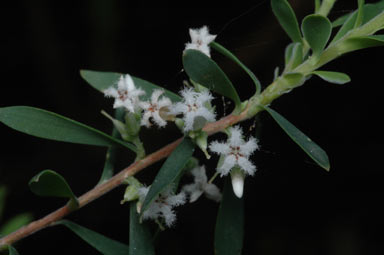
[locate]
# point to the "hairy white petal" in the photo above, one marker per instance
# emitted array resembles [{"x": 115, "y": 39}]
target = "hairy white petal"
[
  {"x": 195, "y": 195},
  {"x": 111, "y": 92},
  {"x": 169, "y": 216},
  {"x": 219, "y": 148},
  {"x": 199, "y": 174},
  {"x": 200, "y": 40},
  {"x": 145, "y": 119},
  {"x": 158, "y": 120},
  {"x": 176, "y": 200},
  {"x": 247, "y": 165},
  {"x": 228, "y": 163},
  {"x": 249, "y": 147},
  {"x": 236, "y": 138}
]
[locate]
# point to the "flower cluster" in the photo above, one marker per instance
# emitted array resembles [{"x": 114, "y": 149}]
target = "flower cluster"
[{"x": 190, "y": 114}]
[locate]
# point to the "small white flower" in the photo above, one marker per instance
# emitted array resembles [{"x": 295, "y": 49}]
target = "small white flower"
[
  {"x": 162, "y": 206},
  {"x": 236, "y": 152},
  {"x": 155, "y": 109},
  {"x": 126, "y": 95},
  {"x": 192, "y": 106},
  {"x": 200, "y": 186},
  {"x": 201, "y": 38}
]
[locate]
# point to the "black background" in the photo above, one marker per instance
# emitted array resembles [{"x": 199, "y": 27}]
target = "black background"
[{"x": 292, "y": 205}]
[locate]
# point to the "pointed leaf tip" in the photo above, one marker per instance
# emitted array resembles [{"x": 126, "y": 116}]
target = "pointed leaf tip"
[{"x": 312, "y": 149}]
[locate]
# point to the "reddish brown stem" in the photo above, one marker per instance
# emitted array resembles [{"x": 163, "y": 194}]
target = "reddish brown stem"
[{"x": 112, "y": 183}]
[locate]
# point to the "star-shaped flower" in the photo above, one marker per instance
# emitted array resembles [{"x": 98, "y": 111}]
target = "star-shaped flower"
[
  {"x": 201, "y": 38},
  {"x": 155, "y": 109},
  {"x": 201, "y": 185},
  {"x": 126, "y": 95},
  {"x": 235, "y": 152},
  {"x": 194, "y": 106},
  {"x": 162, "y": 206}
]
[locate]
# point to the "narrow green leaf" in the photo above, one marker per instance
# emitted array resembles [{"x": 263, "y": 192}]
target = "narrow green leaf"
[
  {"x": 3, "y": 194},
  {"x": 287, "y": 19},
  {"x": 15, "y": 223},
  {"x": 340, "y": 20},
  {"x": 140, "y": 239},
  {"x": 333, "y": 77},
  {"x": 293, "y": 56},
  {"x": 309, "y": 147},
  {"x": 317, "y": 5},
  {"x": 229, "y": 231},
  {"x": 349, "y": 20},
  {"x": 203, "y": 70},
  {"x": 360, "y": 13},
  {"x": 110, "y": 157},
  {"x": 231, "y": 56},
  {"x": 51, "y": 184},
  {"x": 170, "y": 170},
  {"x": 316, "y": 30},
  {"x": 49, "y": 125},
  {"x": 12, "y": 251},
  {"x": 361, "y": 42},
  {"x": 98, "y": 241},
  {"x": 103, "y": 80}
]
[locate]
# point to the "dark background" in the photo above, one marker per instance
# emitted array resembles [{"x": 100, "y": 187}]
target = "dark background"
[{"x": 292, "y": 205}]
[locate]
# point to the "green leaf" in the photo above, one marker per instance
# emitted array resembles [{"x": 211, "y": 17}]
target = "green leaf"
[
  {"x": 49, "y": 125},
  {"x": 309, "y": 147},
  {"x": 103, "y": 80},
  {"x": 3, "y": 194},
  {"x": 140, "y": 239},
  {"x": 229, "y": 231},
  {"x": 333, "y": 77},
  {"x": 111, "y": 154},
  {"x": 15, "y": 223},
  {"x": 203, "y": 70},
  {"x": 349, "y": 20},
  {"x": 340, "y": 20},
  {"x": 293, "y": 56},
  {"x": 316, "y": 30},
  {"x": 361, "y": 42},
  {"x": 231, "y": 56},
  {"x": 360, "y": 13},
  {"x": 292, "y": 80},
  {"x": 170, "y": 171},
  {"x": 98, "y": 241},
  {"x": 12, "y": 251},
  {"x": 51, "y": 184},
  {"x": 317, "y": 5},
  {"x": 287, "y": 19}
]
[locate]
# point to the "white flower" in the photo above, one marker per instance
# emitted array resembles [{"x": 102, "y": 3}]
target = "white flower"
[
  {"x": 162, "y": 206},
  {"x": 155, "y": 109},
  {"x": 200, "y": 186},
  {"x": 193, "y": 106},
  {"x": 126, "y": 95},
  {"x": 200, "y": 40},
  {"x": 236, "y": 152}
]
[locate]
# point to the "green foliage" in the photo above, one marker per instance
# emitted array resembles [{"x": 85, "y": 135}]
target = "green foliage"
[
  {"x": 351, "y": 20},
  {"x": 51, "y": 184},
  {"x": 293, "y": 56},
  {"x": 308, "y": 146},
  {"x": 49, "y": 125},
  {"x": 360, "y": 13},
  {"x": 287, "y": 19},
  {"x": 170, "y": 171},
  {"x": 15, "y": 223},
  {"x": 12, "y": 250},
  {"x": 140, "y": 239},
  {"x": 317, "y": 31},
  {"x": 111, "y": 154},
  {"x": 103, "y": 80},
  {"x": 203, "y": 70},
  {"x": 333, "y": 77},
  {"x": 362, "y": 42},
  {"x": 98, "y": 241},
  {"x": 231, "y": 56},
  {"x": 229, "y": 231}
]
